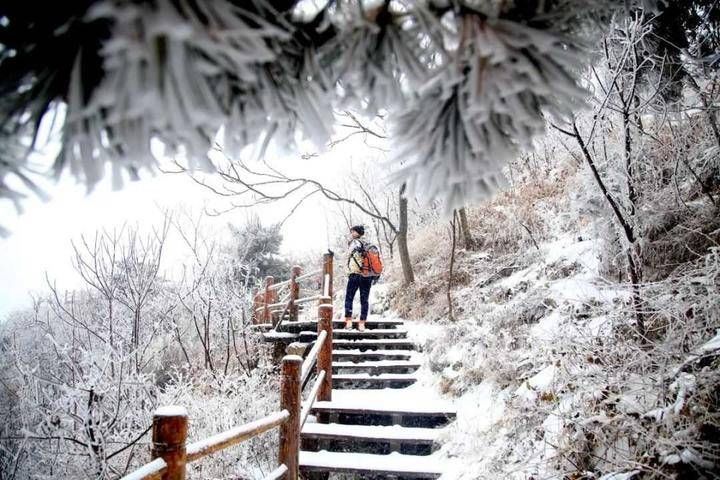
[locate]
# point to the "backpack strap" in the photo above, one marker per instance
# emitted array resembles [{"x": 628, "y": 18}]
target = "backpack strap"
[{"x": 359, "y": 249}]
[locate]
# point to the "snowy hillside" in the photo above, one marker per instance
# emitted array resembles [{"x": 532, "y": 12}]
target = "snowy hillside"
[{"x": 549, "y": 376}]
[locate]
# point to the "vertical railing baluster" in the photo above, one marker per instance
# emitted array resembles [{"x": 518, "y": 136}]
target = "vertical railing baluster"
[
  {"x": 324, "y": 359},
  {"x": 169, "y": 434},
  {"x": 267, "y": 317},
  {"x": 290, "y": 400},
  {"x": 328, "y": 274},
  {"x": 294, "y": 293}
]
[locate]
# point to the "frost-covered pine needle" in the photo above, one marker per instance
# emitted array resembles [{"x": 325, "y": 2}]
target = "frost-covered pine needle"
[{"x": 485, "y": 107}]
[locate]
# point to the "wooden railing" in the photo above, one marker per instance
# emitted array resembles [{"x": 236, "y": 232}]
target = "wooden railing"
[
  {"x": 171, "y": 453},
  {"x": 276, "y": 300}
]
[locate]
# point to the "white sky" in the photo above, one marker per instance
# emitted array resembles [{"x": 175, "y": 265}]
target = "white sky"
[{"x": 40, "y": 239}]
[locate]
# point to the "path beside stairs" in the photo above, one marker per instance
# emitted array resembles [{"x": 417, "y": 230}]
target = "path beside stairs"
[{"x": 379, "y": 424}]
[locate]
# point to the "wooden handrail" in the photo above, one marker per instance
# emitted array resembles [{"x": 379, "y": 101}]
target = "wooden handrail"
[
  {"x": 221, "y": 441},
  {"x": 265, "y": 304},
  {"x": 278, "y": 304},
  {"x": 278, "y": 473},
  {"x": 321, "y": 357},
  {"x": 314, "y": 298},
  {"x": 305, "y": 276},
  {"x": 311, "y": 398},
  {"x": 278, "y": 285},
  {"x": 170, "y": 451},
  {"x": 170, "y": 431},
  {"x": 150, "y": 471},
  {"x": 309, "y": 362}
]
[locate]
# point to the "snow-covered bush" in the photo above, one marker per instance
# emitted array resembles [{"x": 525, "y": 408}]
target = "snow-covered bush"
[
  {"x": 84, "y": 370},
  {"x": 544, "y": 357}
]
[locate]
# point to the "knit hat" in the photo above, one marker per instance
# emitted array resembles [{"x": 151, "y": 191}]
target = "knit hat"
[{"x": 359, "y": 229}]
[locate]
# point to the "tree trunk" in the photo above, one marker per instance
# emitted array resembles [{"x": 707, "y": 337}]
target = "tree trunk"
[
  {"x": 405, "y": 262},
  {"x": 632, "y": 195},
  {"x": 453, "y": 242},
  {"x": 634, "y": 271},
  {"x": 468, "y": 240},
  {"x": 707, "y": 107}
]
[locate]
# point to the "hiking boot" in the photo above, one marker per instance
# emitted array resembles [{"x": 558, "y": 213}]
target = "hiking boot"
[
  {"x": 361, "y": 326},
  {"x": 348, "y": 324}
]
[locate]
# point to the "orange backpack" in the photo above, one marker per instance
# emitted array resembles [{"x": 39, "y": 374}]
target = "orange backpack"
[{"x": 372, "y": 263}]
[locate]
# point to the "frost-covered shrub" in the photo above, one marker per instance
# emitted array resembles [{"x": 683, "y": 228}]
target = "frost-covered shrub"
[
  {"x": 521, "y": 214},
  {"x": 83, "y": 371},
  {"x": 216, "y": 403},
  {"x": 545, "y": 356}
]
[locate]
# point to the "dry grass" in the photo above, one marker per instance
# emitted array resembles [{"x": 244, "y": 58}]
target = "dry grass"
[{"x": 499, "y": 226}]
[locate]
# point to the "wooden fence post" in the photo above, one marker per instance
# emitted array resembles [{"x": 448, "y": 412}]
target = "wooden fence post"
[
  {"x": 258, "y": 301},
  {"x": 294, "y": 293},
  {"x": 328, "y": 274},
  {"x": 267, "y": 317},
  {"x": 324, "y": 359},
  {"x": 290, "y": 400},
  {"x": 169, "y": 433}
]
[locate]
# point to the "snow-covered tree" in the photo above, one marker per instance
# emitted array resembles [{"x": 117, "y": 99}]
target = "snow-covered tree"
[
  {"x": 468, "y": 82},
  {"x": 82, "y": 371}
]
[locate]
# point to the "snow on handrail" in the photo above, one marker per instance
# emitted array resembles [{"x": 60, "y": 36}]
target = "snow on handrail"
[
  {"x": 278, "y": 473},
  {"x": 308, "y": 299},
  {"x": 311, "y": 398},
  {"x": 307, "y": 275},
  {"x": 221, "y": 441},
  {"x": 275, "y": 286},
  {"x": 312, "y": 357},
  {"x": 278, "y": 304},
  {"x": 149, "y": 471}
]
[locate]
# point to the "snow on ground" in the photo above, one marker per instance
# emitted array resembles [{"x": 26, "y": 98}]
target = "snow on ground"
[{"x": 496, "y": 362}]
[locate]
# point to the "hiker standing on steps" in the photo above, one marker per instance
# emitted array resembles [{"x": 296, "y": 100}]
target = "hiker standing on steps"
[{"x": 357, "y": 279}]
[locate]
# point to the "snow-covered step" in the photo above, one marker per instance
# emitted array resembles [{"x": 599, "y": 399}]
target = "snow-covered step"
[
  {"x": 385, "y": 402},
  {"x": 262, "y": 326},
  {"x": 368, "y": 433},
  {"x": 362, "y": 345},
  {"x": 375, "y": 333},
  {"x": 366, "y": 380},
  {"x": 273, "y": 336},
  {"x": 358, "y": 356},
  {"x": 406, "y": 466},
  {"x": 371, "y": 324},
  {"x": 375, "y": 367}
]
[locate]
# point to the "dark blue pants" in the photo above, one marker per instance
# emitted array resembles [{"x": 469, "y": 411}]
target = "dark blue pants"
[{"x": 357, "y": 282}]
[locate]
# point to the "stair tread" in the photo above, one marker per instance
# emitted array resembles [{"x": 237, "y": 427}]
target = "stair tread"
[
  {"x": 374, "y": 332},
  {"x": 379, "y": 334},
  {"x": 372, "y": 341},
  {"x": 371, "y": 432},
  {"x": 394, "y": 463},
  {"x": 370, "y": 324},
  {"x": 379, "y": 376},
  {"x": 388, "y": 353},
  {"x": 384, "y": 402},
  {"x": 378, "y": 331},
  {"x": 378, "y": 364}
]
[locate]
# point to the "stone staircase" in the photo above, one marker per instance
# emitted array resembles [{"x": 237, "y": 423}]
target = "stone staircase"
[{"x": 379, "y": 424}]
